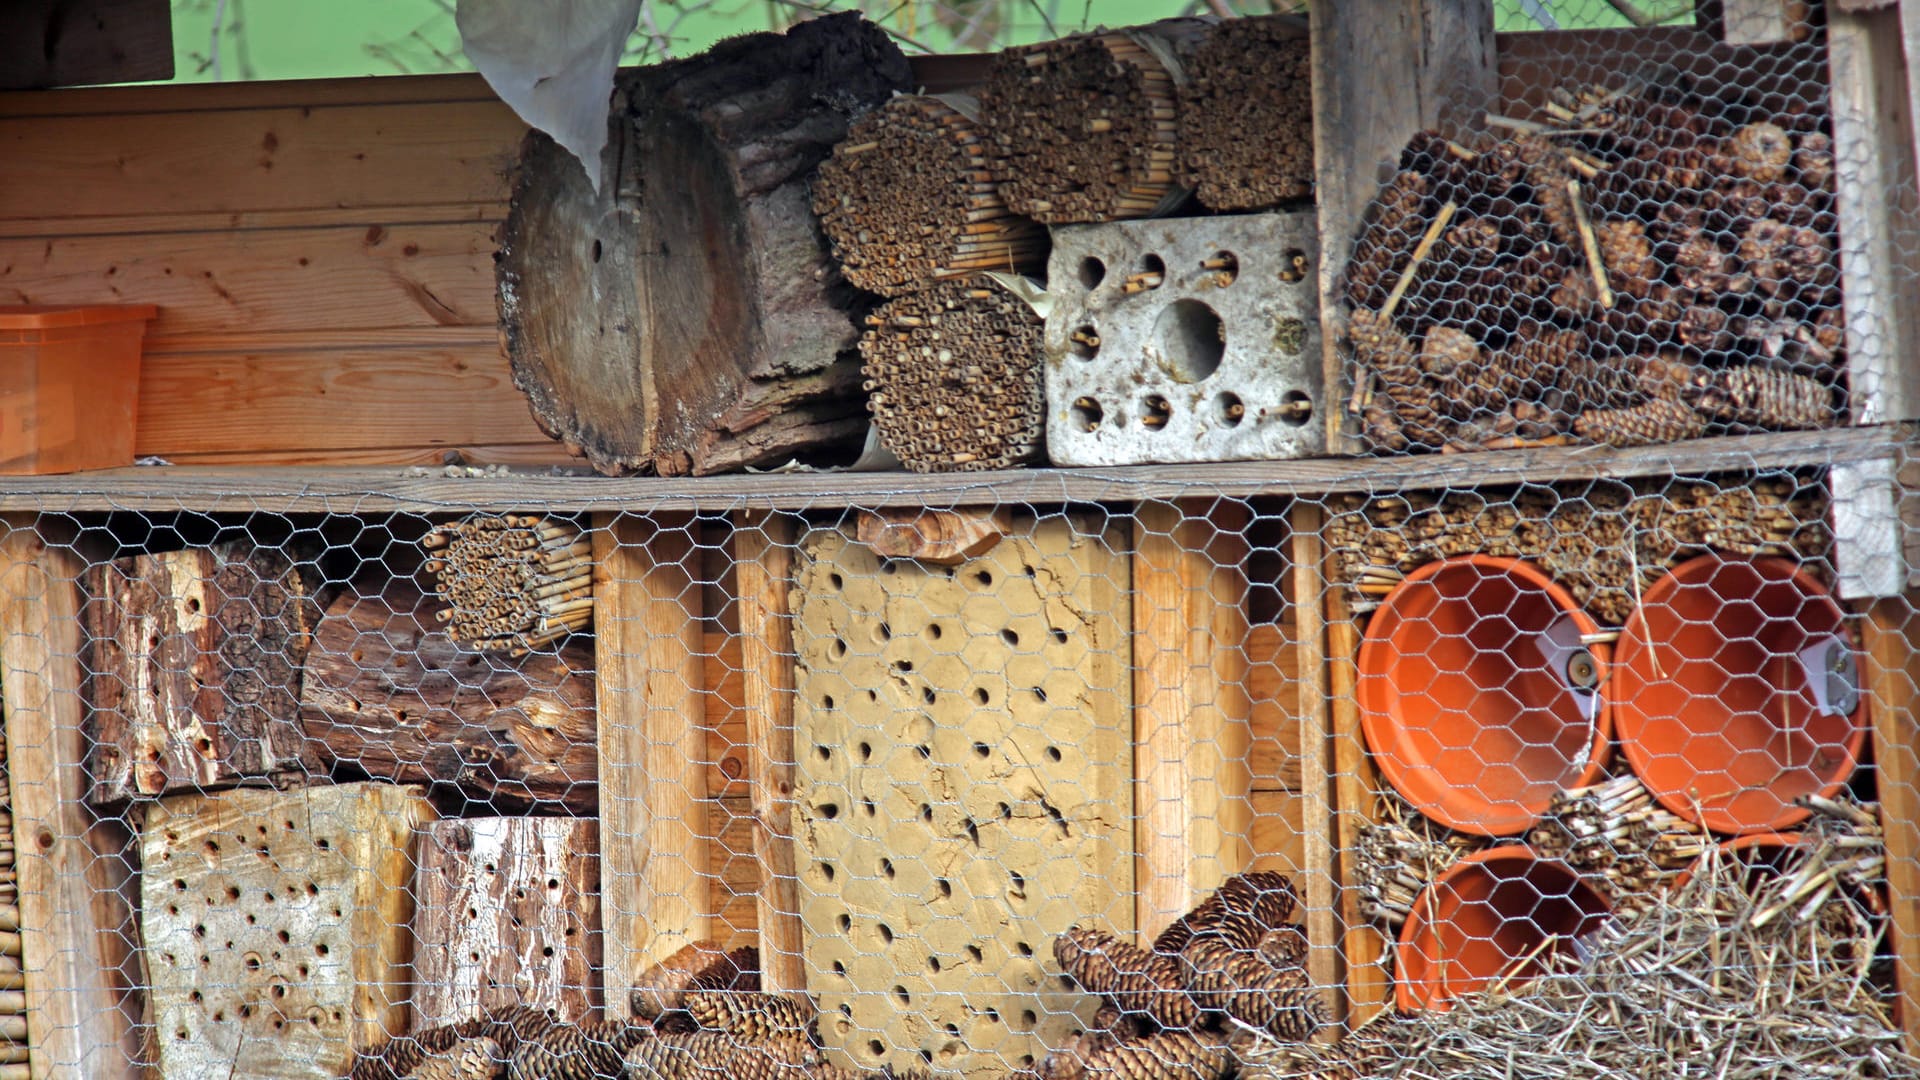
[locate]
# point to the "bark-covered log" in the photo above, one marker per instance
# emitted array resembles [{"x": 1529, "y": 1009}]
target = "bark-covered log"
[
  {"x": 686, "y": 316},
  {"x": 388, "y": 695},
  {"x": 193, "y": 668},
  {"x": 507, "y": 912}
]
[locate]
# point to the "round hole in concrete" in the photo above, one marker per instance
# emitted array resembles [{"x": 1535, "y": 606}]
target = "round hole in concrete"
[
  {"x": 1228, "y": 409},
  {"x": 1192, "y": 340},
  {"x": 1084, "y": 341},
  {"x": 1091, "y": 272},
  {"x": 1087, "y": 414},
  {"x": 1293, "y": 266},
  {"x": 1155, "y": 411},
  {"x": 1296, "y": 408}
]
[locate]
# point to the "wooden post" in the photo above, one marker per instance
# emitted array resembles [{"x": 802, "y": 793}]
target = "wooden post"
[
  {"x": 1441, "y": 56},
  {"x": 655, "y": 880},
  {"x": 1874, "y": 113},
  {"x": 1193, "y": 814},
  {"x": 1318, "y": 770},
  {"x": 506, "y": 912},
  {"x": 1356, "y": 787},
  {"x": 74, "y": 919},
  {"x": 1891, "y": 636},
  {"x": 763, "y": 547}
]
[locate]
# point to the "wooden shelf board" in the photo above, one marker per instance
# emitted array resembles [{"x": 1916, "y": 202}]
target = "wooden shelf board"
[{"x": 380, "y": 490}]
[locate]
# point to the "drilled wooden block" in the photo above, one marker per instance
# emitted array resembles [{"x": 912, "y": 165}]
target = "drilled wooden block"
[
  {"x": 276, "y": 925},
  {"x": 964, "y": 743},
  {"x": 509, "y": 914}
]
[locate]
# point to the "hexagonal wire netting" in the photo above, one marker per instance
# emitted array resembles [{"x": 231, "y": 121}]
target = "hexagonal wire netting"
[{"x": 1393, "y": 776}]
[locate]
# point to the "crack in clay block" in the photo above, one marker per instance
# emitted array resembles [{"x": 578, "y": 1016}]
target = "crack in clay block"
[
  {"x": 965, "y": 745},
  {"x": 276, "y": 926}
]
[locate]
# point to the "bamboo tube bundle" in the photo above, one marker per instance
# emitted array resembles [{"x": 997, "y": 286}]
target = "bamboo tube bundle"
[
  {"x": 913, "y": 196},
  {"x": 515, "y": 582},
  {"x": 1088, "y": 125},
  {"x": 1616, "y": 831},
  {"x": 1246, "y": 116},
  {"x": 1399, "y": 855},
  {"x": 954, "y": 378},
  {"x": 13, "y": 981}
]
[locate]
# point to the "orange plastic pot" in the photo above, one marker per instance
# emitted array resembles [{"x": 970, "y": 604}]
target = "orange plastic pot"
[
  {"x": 1736, "y": 690},
  {"x": 1496, "y": 914},
  {"x": 1477, "y": 698}
]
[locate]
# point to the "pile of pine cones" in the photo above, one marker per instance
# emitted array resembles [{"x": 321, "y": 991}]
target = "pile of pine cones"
[
  {"x": 1638, "y": 268},
  {"x": 698, "y": 1014},
  {"x": 1231, "y": 969},
  {"x": 1605, "y": 541}
]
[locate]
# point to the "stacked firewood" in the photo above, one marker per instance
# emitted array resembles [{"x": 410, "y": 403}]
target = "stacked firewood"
[
  {"x": 1638, "y": 268},
  {"x": 515, "y": 582},
  {"x": 1617, "y": 833},
  {"x": 1233, "y": 964},
  {"x": 913, "y": 196},
  {"x": 1246, "y": 116},
  {"x": 1605, "y": 541},
  {"x": 954, "y": 378}
]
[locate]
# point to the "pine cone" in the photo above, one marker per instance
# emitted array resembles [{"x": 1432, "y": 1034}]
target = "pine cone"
[
  {"x": 1760, "y": 152},
  {"x": 1813, "y": 160},
  {"x": 1628, "y": 256},
  {"x": 1169, "y": 1055},
  {"x": 1241, "y": 910},
  {"x": 1658, "y": 421},
  {"x": 712, "y": 1055},
  {"x": 1764, "y": 398},
  {"x": 397, "y": 1058},
  {"x": 702, "y": 965},
  {"x": 1139, "y": 982},
  {"x": 1250, "y": 988},
  {"x": 595, "y": 1051},
  {"x": 469, "y": 1059},
  {"x": 1397, "y": 220},
  {"x": 753, "y": 1017},
  {"x": 1666, "y": 375}
]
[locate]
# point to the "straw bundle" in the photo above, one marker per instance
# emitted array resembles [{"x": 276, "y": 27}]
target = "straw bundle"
[
  {"x": 516, "y": 582},
  {"x": 1246, "y": 116}
]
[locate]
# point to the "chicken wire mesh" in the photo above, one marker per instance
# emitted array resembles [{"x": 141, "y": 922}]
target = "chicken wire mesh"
[{"x": 1515, "y": 779}]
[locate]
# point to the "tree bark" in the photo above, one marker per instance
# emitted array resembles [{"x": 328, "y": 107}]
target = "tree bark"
[
  {"x": 686, "y": 317},
  {"x": 388, "y": 695},
  {"x": 194, "y": 670},
  {"x": 507, "y": 913}
]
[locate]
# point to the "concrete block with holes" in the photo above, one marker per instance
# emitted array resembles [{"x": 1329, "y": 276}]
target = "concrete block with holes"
[
  {"x": 275, "y": 926},
  {"x": 964, "y": 745},
  {"x": 1192, "y": 339}
]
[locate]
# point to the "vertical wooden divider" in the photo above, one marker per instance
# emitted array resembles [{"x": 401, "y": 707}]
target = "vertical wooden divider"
[
  {"x": 1356, "y": 787},
  {"x": 763, "y": 549},
  {"x": 1193, "y": 813},
  {"x": 76, "y": 928},
  {"x": 1891, "y": 635},
  {"x": 1319, "y": 774},
  {"x": 656, "y": 892}
]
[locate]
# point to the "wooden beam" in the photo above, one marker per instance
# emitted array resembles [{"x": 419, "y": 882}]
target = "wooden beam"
[
  {"x": 1874, "y": 117},
  {"x": 1318, "y": 769},
  {"x": 1891, "y": 635},
  {"x": 1193, "y": 818},
  {"x": 47, "y": 43},
  {"x": 763, "y": 547},
  {"x": 1356, "y": 787},
  {"x": 388, "y": 490},
  {"x": 656, "y": 892},
  {"x": 75, "y": 923},
  {"x": 1440, "y": 54}
]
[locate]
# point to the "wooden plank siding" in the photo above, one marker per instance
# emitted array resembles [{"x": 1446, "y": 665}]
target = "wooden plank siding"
[{"x": 321, "y": 252}]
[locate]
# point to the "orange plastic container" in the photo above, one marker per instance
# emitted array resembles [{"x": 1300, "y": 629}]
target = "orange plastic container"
[
  {"x": 69, "y": 384},
  {"x": 1736, "y": 689},
  {"x": 1491, "y": 916},
  {"x": 1477, "y": 696}
]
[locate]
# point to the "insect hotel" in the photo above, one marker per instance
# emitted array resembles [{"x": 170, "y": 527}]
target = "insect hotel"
[{"x": 1361, "y": 544}]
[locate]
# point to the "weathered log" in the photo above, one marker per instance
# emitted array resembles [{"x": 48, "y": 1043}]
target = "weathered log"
[
  {"x": 194, "y": 670},
  {"x": 507, "y": 913},
  {"x": 388, "y": 696},
  {"x": 686, "y": 317}
]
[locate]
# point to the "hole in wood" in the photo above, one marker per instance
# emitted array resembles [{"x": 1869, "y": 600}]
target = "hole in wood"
[
  {"x": 866, "y": 751},
  {"x": 886, "y": 933},
  {"x": 900, "y": 994},
  {"x": 886, "y": 868},
  {"x": 1191, "y": 339},
  {"x": 974, "y": 954},
  {"x": 836, "y": 582},
  {"x": 1011, "y": 637},
  {"x": 944, "y": 888},
  {"x": 933, "y": 964},
  {"x": 934, "y": 631},
  {"x": 829, "y": 810},
  {"x": 983, "y": 750},
  {"x": 980, "y": 695},
  {"x": 1053, "y": 753}
]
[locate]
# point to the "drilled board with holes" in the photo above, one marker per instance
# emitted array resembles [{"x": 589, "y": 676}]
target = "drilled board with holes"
[
  {"x": 275, "y": 926},
  {"x": 1186, "y": 339},
  {"x": 964, "y": 741}
]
